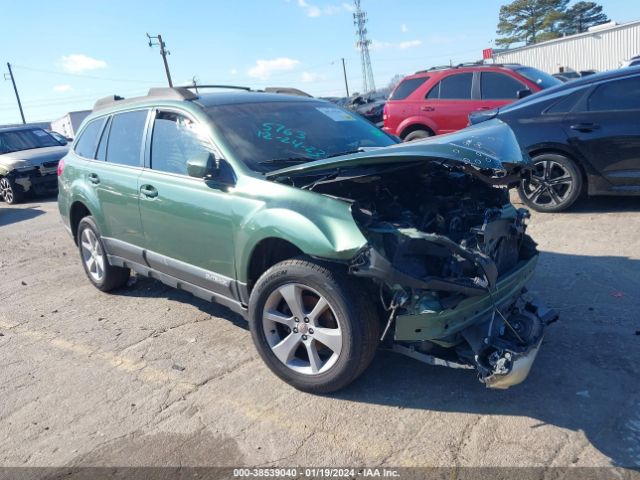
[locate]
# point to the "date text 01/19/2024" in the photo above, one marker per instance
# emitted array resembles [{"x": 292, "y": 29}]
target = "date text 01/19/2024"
[{"x": 315, "y": 472}]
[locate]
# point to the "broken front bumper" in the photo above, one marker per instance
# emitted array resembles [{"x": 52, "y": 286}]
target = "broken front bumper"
[{"x": 39, "y": 179}]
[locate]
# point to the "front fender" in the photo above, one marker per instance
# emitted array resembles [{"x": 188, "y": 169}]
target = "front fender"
[{"x": 320, "y": 232}]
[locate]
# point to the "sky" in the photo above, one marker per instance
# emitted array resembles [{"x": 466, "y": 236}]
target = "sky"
[{"x": 67, "y": 54}]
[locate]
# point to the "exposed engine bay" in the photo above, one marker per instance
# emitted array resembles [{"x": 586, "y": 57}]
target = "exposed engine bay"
[{"x": 450, "y": 257}]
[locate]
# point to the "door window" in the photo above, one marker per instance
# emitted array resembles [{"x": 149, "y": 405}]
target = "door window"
[
  {"x": 88, "y": 141},
  {"x": 498, "y": 86},
  {"x": 617, "y": 95},
  {"x": 456, "y": 87},
  {"x": 125, "y": 138},
  {"x": 175, "y": 140}
]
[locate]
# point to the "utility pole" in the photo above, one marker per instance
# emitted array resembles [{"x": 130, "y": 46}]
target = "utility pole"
[
  {"x": 15, "y": 89},
  {"x": 360, "y": 21},
  {"x": 344, "y": 71},
  {"x": 157, "y": 40}
]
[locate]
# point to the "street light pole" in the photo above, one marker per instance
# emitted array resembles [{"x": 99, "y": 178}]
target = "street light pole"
[
  {"x": 15, "y": 89},
  {"x": 344, "y": 71},
  {"x": 157, "y": 40}
]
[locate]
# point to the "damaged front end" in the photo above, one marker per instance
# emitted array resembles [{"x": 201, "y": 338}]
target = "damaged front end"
[{"x": 451, "y": 257}]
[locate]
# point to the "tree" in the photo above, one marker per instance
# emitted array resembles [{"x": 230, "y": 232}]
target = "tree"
[
  {"x": 525, "y": 20},
  {"x": 581, "y": 16}
]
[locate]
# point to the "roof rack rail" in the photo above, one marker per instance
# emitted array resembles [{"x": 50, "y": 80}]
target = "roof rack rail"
[
  {"x": 468, "y": 64},
  {"x": 175, "y": 93},
  {"x": 233, "y": 87}
]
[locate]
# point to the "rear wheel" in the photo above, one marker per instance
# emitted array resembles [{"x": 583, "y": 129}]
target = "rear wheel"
[
  {"x": 417, "y": 135},
  {"x": 10, "y": 192},
  {"x": 314, "y": 328},
  {"x": 555, "y": 184},
  {"x": 96, "y": 265}
]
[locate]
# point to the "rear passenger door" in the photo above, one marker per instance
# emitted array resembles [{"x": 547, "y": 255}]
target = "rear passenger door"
[
  {"x": 114, "y": 176},
  {"x": 449, "y": 102},
  {"x": 187, "y": 221}
]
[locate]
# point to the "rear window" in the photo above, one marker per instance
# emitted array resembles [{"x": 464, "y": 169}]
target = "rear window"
[
  {"x": 88, "y": 141},
  {"x": 617, "y": 95},
  {"x": 125, "y": 138},
  {"x": 407, "y": 87}
]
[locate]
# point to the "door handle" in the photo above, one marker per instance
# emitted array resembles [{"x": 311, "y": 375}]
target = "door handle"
[
  {"x": 585, "y": 127},
  {"x": 427, "y": 109},
  {"x": 93, "y": 178},
  {"x": 149, "y": 191}
]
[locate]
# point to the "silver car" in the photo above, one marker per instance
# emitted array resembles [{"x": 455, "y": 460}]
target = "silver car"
[{"x": 28, "y": 162}]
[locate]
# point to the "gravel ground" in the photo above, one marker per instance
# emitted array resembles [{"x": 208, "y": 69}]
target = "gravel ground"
[{"x": 153, "y": 376}]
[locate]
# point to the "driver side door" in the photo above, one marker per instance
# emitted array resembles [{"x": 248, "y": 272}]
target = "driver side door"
[{"x": 187, "y": 222}]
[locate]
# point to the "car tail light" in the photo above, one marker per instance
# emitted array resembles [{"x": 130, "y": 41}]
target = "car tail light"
[{"x": 60, "y": 166}]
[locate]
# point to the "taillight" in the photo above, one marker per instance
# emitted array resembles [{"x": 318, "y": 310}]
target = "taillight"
[{"x": 60, "y": 166}]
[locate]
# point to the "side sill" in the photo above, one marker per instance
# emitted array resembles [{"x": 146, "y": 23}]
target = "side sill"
[{"x": 171, "y": 281}]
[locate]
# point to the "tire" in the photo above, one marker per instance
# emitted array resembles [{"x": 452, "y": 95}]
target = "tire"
[
  {"x": 555, "y": 184},
  {"x": 349, "y": 325},
  {"x": 10, "y": 192},
  {"x": 417, "y": 135},
  {"x": 100, "y": 273}
]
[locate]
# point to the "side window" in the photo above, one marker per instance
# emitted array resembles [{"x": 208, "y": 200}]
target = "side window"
[
  {"x": 102, "y": 146},
  {"x": 566, "y": 103},
  {"x": 88, "y": 141},
  {"x": 406, "y": 88},
  {"x": 175, "y": 140},
  {"x": 125, "y": 138},
  {"x": 434, "y": 93},
  {"x": 498, "y": 86},
  {"x": 456, "y": 87},
  {"x": 617, "y": 95}
]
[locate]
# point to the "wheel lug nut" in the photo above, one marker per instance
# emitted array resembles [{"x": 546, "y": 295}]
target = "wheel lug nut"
[
  {"x": 311, "y": 330},
  {"x": 304, "y": 337},
  {"x": 296, "y": 319},
  {"x": 306, "y": 320},
  {"x": 295, "y": 330}
]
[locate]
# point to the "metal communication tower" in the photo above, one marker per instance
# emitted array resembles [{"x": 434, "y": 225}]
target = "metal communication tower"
[{"x": 360, "y": 20}]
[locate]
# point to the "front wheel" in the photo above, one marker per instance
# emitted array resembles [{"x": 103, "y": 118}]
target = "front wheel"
[
  {"x": 10, "y": 192},
  {"x": 555, "y": 183},
  {"x": 315, "y": 328}
]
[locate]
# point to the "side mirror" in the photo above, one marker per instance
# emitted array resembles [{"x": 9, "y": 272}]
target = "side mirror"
[
  {"x": 523, "y": 93},
  {"x": 202, "y": 166}
]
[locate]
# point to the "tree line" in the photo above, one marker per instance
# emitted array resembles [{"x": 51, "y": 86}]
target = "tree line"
[{"x": 533, "y": 21}]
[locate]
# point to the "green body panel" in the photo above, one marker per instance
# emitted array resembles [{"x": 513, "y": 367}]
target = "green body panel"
[{"x": 430, "y": 325}]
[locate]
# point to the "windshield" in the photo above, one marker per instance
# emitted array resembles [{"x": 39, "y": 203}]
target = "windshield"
[
  {"x": 540, "y": 78},
  {"x": 269, "y": 135},
  {"x": 16, "y": 140}
]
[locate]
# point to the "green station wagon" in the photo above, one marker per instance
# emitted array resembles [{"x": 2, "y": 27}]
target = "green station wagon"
[{"x": 326, "y": 234}]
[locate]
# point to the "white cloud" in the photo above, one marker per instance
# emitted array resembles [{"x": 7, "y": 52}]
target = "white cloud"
[
  {"x": 234, "y": 71},
  {"x": 378, "y": 45},
  {"x": 78, "y": 62},
  {"x": 313, "y": 10},
  {"x": 409, "y": 44},
  {"x": 404, "y": 28},
  {"x": 309, "y": 77},
  {"x": 264, "y": 68},
  {"x": 62, "y": 88}
]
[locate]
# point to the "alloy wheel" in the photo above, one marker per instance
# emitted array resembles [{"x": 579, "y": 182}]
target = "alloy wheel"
[
  {"x": 92, "y": 254},
  {"x": 6, "y": 191},
  {"x": 302, "y": 329},
  {"x": 550, "y": 185}
]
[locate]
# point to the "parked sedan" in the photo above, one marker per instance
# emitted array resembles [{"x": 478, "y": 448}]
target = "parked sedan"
[
  {"x": 28, "y": 162},
  {"x": 583, "y": 136}
]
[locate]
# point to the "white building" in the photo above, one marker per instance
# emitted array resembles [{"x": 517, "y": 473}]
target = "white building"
[
  {"x": 69, "y": 123},
  {"x": 603, "y": 47}
]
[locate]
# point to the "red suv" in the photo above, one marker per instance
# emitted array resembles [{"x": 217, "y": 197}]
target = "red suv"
[{"x": 439, "y": 100}]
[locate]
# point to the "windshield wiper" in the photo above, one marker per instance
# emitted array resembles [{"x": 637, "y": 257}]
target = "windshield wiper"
[
  {"x": 284, "y": 160},
  {"x": 348, "y": 152}
]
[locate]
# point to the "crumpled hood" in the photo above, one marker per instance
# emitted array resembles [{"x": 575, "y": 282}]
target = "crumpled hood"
[
  {"x": 489, "y": 145},
  {"x": 34, "y": 157}
]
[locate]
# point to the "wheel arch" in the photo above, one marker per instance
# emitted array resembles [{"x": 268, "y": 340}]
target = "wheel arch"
[
  {"x": 411, "y": 125},
  {"x": 265, "y": 254},
  {"x": 77, "y": 212}
]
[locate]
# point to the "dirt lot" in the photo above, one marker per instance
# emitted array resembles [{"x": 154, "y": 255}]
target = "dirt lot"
[{"x": 152, "y": 376}]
